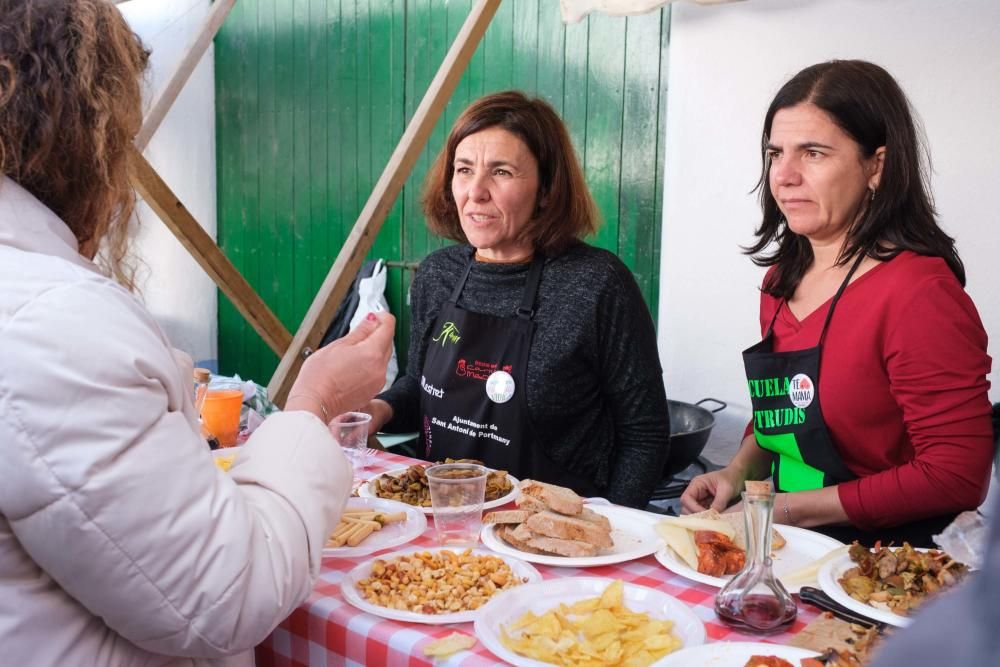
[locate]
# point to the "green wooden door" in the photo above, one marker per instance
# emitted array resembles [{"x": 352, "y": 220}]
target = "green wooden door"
[{"x": 313, "y": 95}]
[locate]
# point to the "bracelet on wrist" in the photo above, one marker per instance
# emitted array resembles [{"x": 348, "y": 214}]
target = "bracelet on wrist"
[
  {"x": 788, "y": 514},
  {"x": 318, "y": 401}
]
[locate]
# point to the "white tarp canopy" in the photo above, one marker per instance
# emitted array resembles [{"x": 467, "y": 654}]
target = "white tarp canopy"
[{"x": 573, "y": 11}]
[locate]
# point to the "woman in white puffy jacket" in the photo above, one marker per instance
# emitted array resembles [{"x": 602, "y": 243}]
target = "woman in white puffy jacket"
[{"x": 120, "y": 542}]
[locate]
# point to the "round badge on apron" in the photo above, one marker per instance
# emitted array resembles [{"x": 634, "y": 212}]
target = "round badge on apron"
[
  {"x": 500, "y": 387},
  {"x": 801, "y": 391}
]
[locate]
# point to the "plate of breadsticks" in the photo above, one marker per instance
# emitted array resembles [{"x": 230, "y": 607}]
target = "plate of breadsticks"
[{"x": 373, "y": 524}]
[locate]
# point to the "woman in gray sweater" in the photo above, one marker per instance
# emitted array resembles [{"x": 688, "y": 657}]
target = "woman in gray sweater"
[{"x": 529, "y": 349}]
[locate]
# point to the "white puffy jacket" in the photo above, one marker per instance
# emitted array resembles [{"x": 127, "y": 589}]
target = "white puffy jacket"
[{"x": 120, "y": 542}]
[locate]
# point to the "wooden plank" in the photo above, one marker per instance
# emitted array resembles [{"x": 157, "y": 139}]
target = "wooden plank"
[
  {"x": 300, "y": 166},
  {"x": 243, "y": 242},
  {"x": 606, "y": 72},
  {"x": 228, "y": 100},
  {"x": 653, "y": 298},
  {"x": 525, "y": 45},
  {"x": 202, "y": 247},
  {"x": 551, "y": 55},
  {"x": 319, "y": 204},
  {"x": 383, "y": 197},
  {"x": 196, "y": 49},
  {"x": 498, "y": 46},
  {"x": 636, "y": 205},
  {"x": 576, "y": 38},
  {"x": 386, "y": 81}
]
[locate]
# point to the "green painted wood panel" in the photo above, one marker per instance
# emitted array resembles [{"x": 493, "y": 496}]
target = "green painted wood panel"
[{"x": 313, "y": 95}]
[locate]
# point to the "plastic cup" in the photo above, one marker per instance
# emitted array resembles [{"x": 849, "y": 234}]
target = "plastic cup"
[
  {"x": 220, "y": 413},
  {"x": 457, "y": 494},
  {"x": 350, "y": 430}
]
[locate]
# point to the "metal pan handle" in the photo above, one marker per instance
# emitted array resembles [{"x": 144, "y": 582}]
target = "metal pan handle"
[{"x": 722, "y": 404}]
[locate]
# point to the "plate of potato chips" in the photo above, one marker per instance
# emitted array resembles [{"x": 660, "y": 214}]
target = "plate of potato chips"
[{"x": 586, "y": 621}]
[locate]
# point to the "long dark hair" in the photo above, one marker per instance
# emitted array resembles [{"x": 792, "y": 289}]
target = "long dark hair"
[{"x": 866, "y": 103}]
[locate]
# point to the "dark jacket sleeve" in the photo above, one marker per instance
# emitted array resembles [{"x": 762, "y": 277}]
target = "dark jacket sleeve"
[{"x": 634, "y": 391}]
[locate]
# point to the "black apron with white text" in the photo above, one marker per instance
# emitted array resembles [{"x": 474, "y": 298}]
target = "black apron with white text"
[{"x": 469, "y": 352}]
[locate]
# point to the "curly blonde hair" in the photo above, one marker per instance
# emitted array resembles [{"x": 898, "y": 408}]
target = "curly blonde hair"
[{"x": 70, "y": 106}]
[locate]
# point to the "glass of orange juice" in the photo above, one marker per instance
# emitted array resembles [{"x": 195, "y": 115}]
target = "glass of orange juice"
[{"x": 220, "y": 413}]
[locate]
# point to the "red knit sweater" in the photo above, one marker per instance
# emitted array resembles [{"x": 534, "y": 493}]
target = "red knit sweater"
[{"x": 903, "y": 390}]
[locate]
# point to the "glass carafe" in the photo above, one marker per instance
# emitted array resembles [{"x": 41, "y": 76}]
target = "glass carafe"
[{"x": 754, "y": 600}]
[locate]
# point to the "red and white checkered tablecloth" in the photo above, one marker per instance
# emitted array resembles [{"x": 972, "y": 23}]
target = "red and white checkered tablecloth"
[{"x": 326, "y": 630}]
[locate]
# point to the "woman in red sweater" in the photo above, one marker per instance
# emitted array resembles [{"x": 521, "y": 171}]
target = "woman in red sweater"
[{"x": 869, "y": 387}]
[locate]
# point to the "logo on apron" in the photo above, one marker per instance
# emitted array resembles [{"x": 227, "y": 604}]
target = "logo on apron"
[
  {"x": 449, "y": 334},
  {"x": 801, "y": 390},
  {"x": 500, "y": 387}
]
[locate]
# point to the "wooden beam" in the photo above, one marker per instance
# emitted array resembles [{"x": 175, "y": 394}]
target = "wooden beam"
[
  {"x": 206, "y": 252},
  {"x": 398, "y": 169},
  {"x": 196, "y": 49}
]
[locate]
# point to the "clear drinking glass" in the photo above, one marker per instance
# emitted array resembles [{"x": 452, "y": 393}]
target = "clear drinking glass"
[
  {"x": 458, "y": 491},
  {"x": 350, "y": 430},
  {"x": 755, "y": 600}
]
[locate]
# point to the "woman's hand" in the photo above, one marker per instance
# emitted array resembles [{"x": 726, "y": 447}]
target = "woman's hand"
[
  {"x": 381, "y": 413},
  {"x": 713, "y": 490},
  {"x": 344, "y": 375}
]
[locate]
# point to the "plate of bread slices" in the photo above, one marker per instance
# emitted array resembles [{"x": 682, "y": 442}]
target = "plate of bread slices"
[{"x": 552, "y": 525}]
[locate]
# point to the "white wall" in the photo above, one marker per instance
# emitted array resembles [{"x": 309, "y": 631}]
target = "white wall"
[
  {"x": 726, "y": 63},
  {"x": 175, "y": 289}
]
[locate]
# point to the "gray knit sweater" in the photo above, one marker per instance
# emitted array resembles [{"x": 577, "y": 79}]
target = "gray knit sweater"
[{"x": 595, "y": 394}]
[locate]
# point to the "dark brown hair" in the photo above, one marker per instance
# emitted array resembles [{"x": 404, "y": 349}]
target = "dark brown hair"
[
  {"x": 70, "y": 106},
  {"x": 866, "y": 103},
  {"x": 568, "y": 213}
]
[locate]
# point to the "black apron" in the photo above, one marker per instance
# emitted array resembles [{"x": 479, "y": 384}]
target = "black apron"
[
  {"x": 788, "y": 422},
  {"x": 474, "y": 381}
]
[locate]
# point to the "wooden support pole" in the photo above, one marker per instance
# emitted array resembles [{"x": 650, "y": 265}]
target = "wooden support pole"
[
  {"x": 398, "y": 169},
  {"x": 206, "y": 252},
  {"x": 196, "y": 49}
]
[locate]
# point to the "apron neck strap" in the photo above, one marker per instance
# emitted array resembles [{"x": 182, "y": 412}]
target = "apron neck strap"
[
  {"x": 836, "y": 297},
  {"x": 526, "y": 310},
  {"x": 460, "y": 285},
  {"x": 833, "y": 304}
]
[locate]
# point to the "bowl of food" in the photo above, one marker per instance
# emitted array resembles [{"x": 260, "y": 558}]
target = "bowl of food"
[{"x": 409, "y": 485}]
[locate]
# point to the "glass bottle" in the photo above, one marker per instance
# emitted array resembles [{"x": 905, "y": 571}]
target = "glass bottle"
[
  {"x": 202, "y": 378},
  {"x": 754, "y": 600}
]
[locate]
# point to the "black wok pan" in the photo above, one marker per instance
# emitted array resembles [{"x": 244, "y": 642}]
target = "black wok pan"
[{"x": 690, "y": 426}]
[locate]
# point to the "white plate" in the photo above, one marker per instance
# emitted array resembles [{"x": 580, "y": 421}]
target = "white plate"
[
  {"x": 732, "y": 654},
  {"x": 350, "y": 591},
  {"x": 391, "y": 535},
  {"x": 631, "y": 530},
  {"x": 802, "y": 547},
  {"x": 539, "y": 598},
  {"x": 828, "y": 576},
  {"x": 365, "y": 490}
]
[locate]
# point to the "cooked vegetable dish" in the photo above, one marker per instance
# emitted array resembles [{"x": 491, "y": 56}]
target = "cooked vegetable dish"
[
  {"x": 411, "y": 487},
  {"x": 898, "y": 580}
]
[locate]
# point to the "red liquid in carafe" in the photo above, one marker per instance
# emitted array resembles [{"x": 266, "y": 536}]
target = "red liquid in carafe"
[{"x": 761, "y": 613}]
